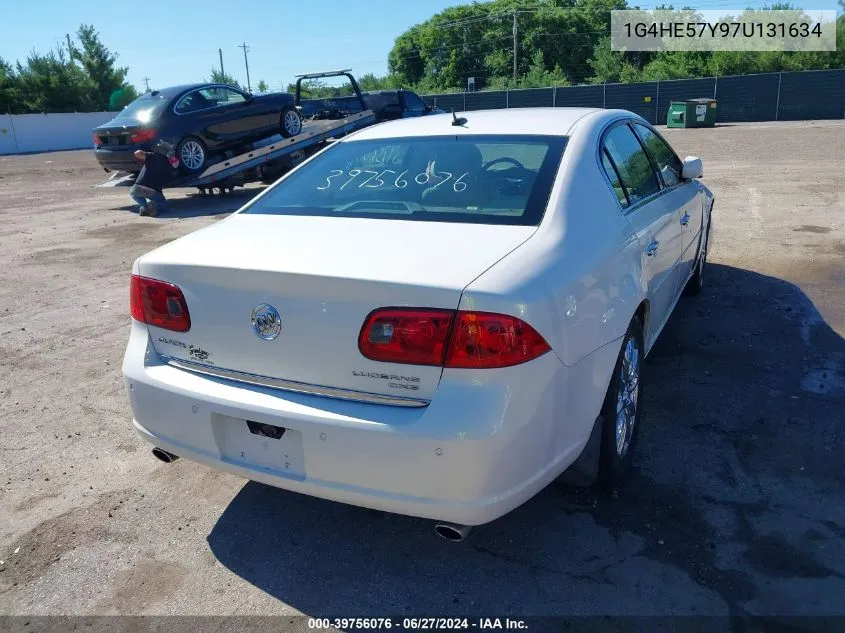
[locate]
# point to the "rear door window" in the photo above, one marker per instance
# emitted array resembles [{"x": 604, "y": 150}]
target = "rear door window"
[
  {"x": 668, "y": 163},
  {"x": 194, "y": 102},
  {"x": 613, "y": 176},
  {"x": 206, "y": 98},
  {"x": 632, "y": 163},
  {"x": 223, "y": 96},
  {"x": 486, "y": 179}
]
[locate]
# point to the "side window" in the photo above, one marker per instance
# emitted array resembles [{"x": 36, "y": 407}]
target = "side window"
[
  {"x": 638, "y": 176},
  {"x": 221, "y": 96},
  {"x": 193, "y": 102},
  {"x": 668, "y": 163},
  {"x": 613, "y": 176},
  {"x": 413, "y": 103}
]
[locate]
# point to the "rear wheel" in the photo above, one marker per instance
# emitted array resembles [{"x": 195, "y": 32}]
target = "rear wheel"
[
  {"x": 696, "y": 282},
  {"x": 191, "y": 154},
  {"x": 621, "y": 409},
  {"x": 290, "y": 123}
]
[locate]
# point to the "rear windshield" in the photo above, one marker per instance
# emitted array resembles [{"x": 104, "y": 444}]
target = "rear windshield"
[
  {"x": 476, "y": 179},
  {"x": 144, "y": 109}
]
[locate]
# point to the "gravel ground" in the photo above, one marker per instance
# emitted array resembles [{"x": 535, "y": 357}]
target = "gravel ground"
[{"x": 735, "y": 507}]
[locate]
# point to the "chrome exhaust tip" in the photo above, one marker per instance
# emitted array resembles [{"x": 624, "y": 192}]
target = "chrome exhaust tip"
[
  {"x": 452, "y": 531},
  {"x": 163, "y": 455}
]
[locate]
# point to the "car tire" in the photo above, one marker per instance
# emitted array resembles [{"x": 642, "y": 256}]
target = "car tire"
[
  {"x": 192, "y": 154},
  {"x": 624, "y": 398},
  {"x": 290, "y": 122},
  {"x": 696, "y": 282}
]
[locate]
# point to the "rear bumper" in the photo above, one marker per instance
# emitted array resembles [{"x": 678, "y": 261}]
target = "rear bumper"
[
  {"x": 487, "y": 442},
  {"x": 118, "y": 159}
]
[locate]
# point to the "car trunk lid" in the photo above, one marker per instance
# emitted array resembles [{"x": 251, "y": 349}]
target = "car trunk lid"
[
  {"x": 114, "y": 134},
  {"x": 323, "y": 276}
]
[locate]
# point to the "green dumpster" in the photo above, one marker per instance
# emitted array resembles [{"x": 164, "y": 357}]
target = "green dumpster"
[{"x": 692, "y": 113}]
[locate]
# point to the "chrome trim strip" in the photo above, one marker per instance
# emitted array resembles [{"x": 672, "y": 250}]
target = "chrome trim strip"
[{"x": 296, "y": 387}]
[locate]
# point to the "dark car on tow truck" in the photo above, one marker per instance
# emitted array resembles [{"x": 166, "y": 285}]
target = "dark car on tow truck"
[{"x": 192, "y": 123}]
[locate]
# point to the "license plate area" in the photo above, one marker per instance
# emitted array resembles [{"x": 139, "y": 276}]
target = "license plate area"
[
  {"x": 265, "y": 430},
  {"x": 259, "y": 445}
]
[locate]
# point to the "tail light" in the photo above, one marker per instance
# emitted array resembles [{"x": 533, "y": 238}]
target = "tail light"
[
  {"x": 96, "y": 140},
  {"x": 413, "y": 336},
  {"x": 486, "y": 340},
  {"x": 418, "y": 336},
  {"x": 142, "y": 136},
  {"x": 158, "y": 303}
]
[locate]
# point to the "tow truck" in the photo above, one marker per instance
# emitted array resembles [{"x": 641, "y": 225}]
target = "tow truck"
[{"x": 268, "y": 159}]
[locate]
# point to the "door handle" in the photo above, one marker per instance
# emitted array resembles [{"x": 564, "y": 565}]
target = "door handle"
[
  {"x": 684, "y": 219},
  {"x": 651, "y": 249}
]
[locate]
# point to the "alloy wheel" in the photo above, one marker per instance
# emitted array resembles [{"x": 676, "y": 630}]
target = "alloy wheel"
[
  {"x": 192, "y": 155},
  {"x": 292, "y": 122},
  {"x": 702, "y": 259},
  {"x": 627, "y": 397}
]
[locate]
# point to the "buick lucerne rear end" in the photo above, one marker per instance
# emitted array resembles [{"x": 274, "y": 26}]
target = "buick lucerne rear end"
[{"x": 410, "y": 321}]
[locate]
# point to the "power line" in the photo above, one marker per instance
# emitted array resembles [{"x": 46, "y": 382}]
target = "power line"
[{"x": 246, "y": 63}]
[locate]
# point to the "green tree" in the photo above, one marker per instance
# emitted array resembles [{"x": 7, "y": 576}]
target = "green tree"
[
  {"x": 111, "y": 90},
  {"x": 219, "y": 77},
  {"x": 10, "y": 95},
  {"x": 609, "y": 66},
  {"x": 563, "y": 41},
  {"x": 371, "y": 81},
  {"x": 537, "y": 76},
  {"x": 52, "y": 83},
  {"x": 477, "y": 40},
  {"x": 262, "y": 86}
]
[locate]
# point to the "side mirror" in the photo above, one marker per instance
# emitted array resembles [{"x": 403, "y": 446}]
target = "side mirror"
[{"x": 692, "y": 168}]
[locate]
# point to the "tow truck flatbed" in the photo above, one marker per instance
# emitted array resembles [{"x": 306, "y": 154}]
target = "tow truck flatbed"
[
  {"x": 268, "y": 159},
  {"x": 229, "y": 172}
]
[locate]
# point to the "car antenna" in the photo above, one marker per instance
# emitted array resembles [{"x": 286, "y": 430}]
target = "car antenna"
[{"x": 456, "y": 120}]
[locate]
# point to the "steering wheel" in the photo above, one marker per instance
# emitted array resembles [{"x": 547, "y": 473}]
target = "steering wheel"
[{"x": 504, "y": 159}]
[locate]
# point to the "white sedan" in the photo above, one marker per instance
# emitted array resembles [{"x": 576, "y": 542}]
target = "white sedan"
[{"x": 435, "y": 316}]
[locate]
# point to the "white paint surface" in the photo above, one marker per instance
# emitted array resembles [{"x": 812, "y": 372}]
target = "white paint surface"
[
  {"x": 487, "y": 439},
  {"x": 27, "y": 133}
]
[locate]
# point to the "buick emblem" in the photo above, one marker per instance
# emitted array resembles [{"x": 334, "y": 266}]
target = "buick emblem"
[{"x": 266, "y": 321}]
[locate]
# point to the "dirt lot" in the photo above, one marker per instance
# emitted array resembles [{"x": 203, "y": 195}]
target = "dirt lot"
[{"x": 735, "y": 508}]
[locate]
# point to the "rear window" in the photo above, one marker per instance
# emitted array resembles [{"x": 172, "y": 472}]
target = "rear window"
[
  {"x": 144, "y": 109},
  {"x": 473, "y": 179}
]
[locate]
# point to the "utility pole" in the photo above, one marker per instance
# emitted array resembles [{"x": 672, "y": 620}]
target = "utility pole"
[
  {"x": 220, "y": 51},
  {"x": 515, "y": 33},
  {"x": 246, "y": 63},
  {"x": 146, "y": 81}
]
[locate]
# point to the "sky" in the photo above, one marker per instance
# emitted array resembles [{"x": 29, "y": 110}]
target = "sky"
[{"x": 177, "y": 41}]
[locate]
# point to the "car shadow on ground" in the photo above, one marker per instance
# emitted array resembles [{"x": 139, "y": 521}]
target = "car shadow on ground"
[
  {"x": 196, "y": 205},
  {"x": 731, "y": 509}
]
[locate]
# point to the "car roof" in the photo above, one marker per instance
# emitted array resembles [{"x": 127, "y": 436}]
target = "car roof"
[
  {"x": 175, "y": 91},
  {"x": 515, "y": 121}
]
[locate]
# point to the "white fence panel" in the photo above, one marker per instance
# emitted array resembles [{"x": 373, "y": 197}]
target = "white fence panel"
[
  {"x": 49, "y": 132},
  {"x": 7, "y": 135}
]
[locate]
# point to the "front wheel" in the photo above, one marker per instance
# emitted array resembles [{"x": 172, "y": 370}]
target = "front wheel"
[
  {"x": 191, "y": 154},
  {"x": 290, "y": 122},
  {"x": 622, "y": 408}
]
